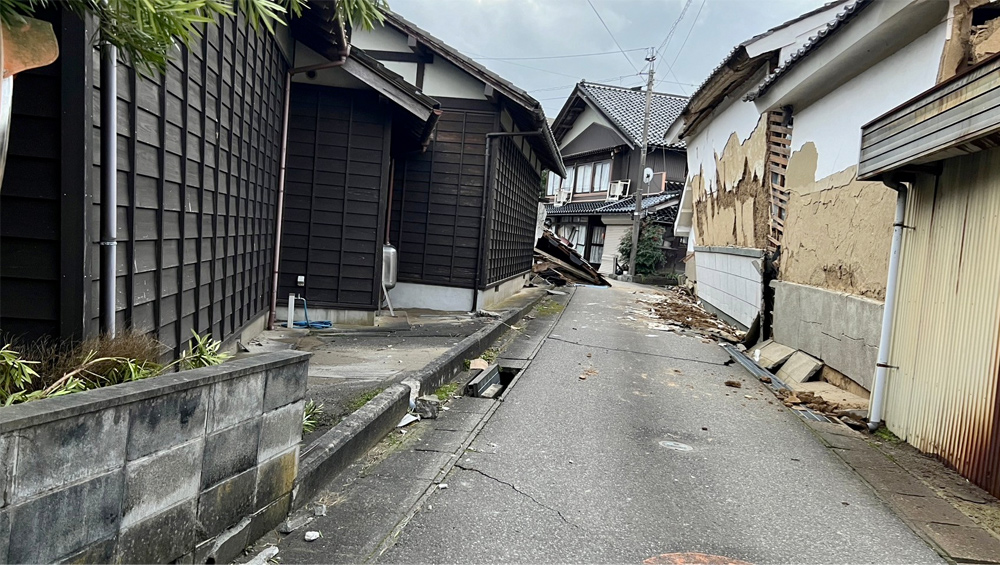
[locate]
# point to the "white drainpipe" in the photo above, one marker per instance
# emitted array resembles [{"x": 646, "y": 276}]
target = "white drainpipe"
[{"x": 878, "y": 390}]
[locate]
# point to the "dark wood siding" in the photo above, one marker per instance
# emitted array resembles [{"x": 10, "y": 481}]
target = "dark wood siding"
[
  {"x": 336, "y": 185},
  {"x": 514, "y": 211},
  {"x": 41, "y": 202},
  {"x": 437, "y": 199},
  {"x": 198, "y": 153}
]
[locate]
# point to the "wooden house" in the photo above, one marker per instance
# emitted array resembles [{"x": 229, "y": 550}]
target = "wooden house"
[{"x": 599, "y": 131}]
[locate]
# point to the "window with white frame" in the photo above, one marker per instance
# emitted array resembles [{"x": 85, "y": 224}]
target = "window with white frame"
[
  {"x": 602, "y": 176},
  {"x": 567, "y": 183},
  {"x": 555, "y": 181},
  {"x": 584, "y": 177}
]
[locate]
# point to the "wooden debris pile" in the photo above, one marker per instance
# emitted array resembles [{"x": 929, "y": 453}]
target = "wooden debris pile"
[
  {"x": 560, "y": 264},
  {"x": 676, "y": 311}
]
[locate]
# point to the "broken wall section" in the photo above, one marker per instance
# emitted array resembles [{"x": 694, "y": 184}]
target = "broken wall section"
[{"x": 733, "y": 208}]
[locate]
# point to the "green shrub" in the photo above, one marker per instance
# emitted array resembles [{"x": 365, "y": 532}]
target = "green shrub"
[{"x": 649, "y": 258}]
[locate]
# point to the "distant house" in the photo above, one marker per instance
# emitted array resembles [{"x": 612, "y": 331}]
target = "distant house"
[
  {"x": 463, "y": 221},
  {"x": 599, "y": 131}
]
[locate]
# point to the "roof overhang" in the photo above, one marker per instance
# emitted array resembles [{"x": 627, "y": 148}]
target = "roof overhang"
[
  {"x": 861, "y": 39},
  {"x": 575, "y": 105},
  {"x": 526, "y": 109},
  {"x": 956, "y": 117}
]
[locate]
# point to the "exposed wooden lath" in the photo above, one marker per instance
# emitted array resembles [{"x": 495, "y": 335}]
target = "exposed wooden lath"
[{"x": 779, "y": 141}]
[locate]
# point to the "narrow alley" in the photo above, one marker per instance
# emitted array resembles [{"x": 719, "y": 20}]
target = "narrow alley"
[{"x": 617, "y": 445}]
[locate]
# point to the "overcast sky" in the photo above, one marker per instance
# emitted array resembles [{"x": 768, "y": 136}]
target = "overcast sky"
[{"x": 544, "y": 28}]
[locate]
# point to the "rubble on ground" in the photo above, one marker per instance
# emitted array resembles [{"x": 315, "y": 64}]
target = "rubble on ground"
[{"x": 674, "y": 310}]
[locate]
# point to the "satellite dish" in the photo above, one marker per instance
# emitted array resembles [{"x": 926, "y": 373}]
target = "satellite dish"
[{"x": 647, "y": 175}]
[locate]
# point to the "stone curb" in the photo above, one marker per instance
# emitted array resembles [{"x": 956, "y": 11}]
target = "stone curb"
[{"x": 323, "y": 459}]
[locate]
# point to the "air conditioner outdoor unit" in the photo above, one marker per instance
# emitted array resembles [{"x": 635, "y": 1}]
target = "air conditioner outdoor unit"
[
  {"x": 563, "y": 197},
  {"x": 618, "y": 189}
]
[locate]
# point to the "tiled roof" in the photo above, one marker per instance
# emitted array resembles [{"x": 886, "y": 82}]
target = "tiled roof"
[
  {"x": 574, "y": 208},
  {"x": 627, "y": 205},
  {"x": 845, "y": 15},
  {"x": 626, "y": 108},
  {"x": 666, "y": 215}
]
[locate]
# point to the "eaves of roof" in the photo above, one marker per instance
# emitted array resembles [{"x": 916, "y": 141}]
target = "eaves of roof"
[
  {"x": 550, "y": 157},
  {"x": 574, "y": 208},
  {"x": 843, "y": 17},
  {"x": 737, "y": 56},
  {"x": 627, "y": 205},
  {"x": 614, "y": 103}
]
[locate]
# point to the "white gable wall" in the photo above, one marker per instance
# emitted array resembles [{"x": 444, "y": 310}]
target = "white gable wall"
[{"x": 584, "y": 120}]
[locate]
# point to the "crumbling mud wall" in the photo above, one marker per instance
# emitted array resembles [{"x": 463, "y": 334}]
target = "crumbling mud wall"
[
  {"x": 732, "y": 209},
  {"x": 839, "y": 230},
  {"x": 973, "y": 36}
]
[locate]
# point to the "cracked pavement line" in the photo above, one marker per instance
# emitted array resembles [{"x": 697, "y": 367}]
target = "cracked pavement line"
[
  {"x": 621, "y": 350},
  {"x": 518, "y": 491}
]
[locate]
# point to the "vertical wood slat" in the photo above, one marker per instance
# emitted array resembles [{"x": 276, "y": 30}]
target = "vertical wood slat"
[{"x": 343, "y": 197}]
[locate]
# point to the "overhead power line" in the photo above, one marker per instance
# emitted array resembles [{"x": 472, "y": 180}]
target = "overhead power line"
[
  {"x": 673, "y": 27},
  {"x": 688, "y": 36},
  {"x": 613, "y": 37},
  {"x": 556, "y": 56}
]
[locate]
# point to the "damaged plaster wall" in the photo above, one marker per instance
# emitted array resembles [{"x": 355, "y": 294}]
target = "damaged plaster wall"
[
  {"x": 967, "y": 44},
  {"x": 838, "y": 229},
  {"x": 731, "y": 206}
]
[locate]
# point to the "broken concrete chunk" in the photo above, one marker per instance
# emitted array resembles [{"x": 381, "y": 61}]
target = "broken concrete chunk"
[
  {"x": 311, "y": 536},
  {"x": 425, "y": 408},
  {"x": 319, "y": 510},
  {"x": 478, "y": 364},
  {"x": 799, "y": 368},
  {"x": 264, "y": 557},
  {"x": 772, "y": 354},
  {"x": 293, "y": 523}
]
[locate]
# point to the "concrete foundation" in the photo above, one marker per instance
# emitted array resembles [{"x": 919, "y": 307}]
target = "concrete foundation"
[
  {"x": 431, "y": 297},
  {"x": 841, "y": 329},
  {"x": 492, "y": 296}
]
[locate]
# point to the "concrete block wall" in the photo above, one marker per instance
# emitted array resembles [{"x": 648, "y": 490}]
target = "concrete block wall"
[
  {"x": 841, "y": 329},
  {"x": 729, "y": 283},
  {"x": 186, "y": 467}
]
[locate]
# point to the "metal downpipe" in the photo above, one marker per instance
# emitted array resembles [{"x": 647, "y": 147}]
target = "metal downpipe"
[
  {"x": 343, "y": 55},
  {"x": 109, "y": 187},
  {"x": 888, "y": 310}
]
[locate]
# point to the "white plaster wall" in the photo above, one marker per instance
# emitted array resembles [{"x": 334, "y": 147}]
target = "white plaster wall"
[
  {"x": 790, "y": 38},
  {"x": 381, "y": 38},
  {"x": 737, "y": 117},
  {"x": 446, "y": 80},
  {"x": 406, "y": 70},
  {"x": 833, "y": 123},
  {"x": 730, "y": 283},
  {"x": 583, "y": 121},
  {"x": 431, "y": 297}
]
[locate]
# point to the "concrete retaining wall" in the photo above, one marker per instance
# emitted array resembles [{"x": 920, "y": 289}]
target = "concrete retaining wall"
[
  {"x": 841, "y": 329},
  {"x": 190, "y": 466}
]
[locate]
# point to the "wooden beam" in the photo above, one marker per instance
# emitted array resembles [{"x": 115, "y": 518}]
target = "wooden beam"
[{"x": 386, "y": 88}]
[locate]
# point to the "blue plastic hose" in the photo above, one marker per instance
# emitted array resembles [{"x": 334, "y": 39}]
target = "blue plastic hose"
[{"x": 320, "y": 325}]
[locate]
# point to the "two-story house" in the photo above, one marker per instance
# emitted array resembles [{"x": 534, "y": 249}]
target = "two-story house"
[{"x": 599, "y": 132}]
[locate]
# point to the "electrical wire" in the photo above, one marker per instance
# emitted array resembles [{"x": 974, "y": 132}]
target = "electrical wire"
[
  {"x": 536, "y": 68},
  {"x": 673, "y": 28},
  {"x": 556, "y": 56},
  {"x": 613, "y": 37}
]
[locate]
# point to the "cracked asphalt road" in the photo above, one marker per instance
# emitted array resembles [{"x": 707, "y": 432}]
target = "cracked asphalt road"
[{"x": 573, "y": 470}]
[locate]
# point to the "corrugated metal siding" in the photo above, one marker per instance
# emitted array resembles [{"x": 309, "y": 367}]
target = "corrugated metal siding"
[
  {"x": 198, "y": 153},
  {"x": 437, "y": 199},
  {"x": 950, "y": 114},
  {"x": 943, "y": 396},
  {"x": 514, "y": 211},
  {"x": 335, "y": 192}
]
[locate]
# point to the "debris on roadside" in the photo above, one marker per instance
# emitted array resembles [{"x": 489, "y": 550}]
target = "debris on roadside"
[
  {"x": 407, "y": 420},
  {"x": 672, "y": 310},
  {"x": 264, "y": 557},
  {"x": 312, "y": 535},
  {"x": 734, "y": 384},
  {"x": 426, "y": 407}
]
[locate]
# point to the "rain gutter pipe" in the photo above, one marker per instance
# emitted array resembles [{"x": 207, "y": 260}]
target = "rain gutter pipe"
[
  {"x": 342, "y": 56},
  {"x": 487, "y": 200},
  {"x": 881, "y": 367},
  {"x": 109, "y": 187}
]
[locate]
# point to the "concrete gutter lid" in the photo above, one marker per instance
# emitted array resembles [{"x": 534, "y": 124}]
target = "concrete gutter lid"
[{"x": 323, "y": 459}]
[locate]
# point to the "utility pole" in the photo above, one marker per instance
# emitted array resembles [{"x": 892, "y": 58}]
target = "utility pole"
[{"x": 637, "y": 215}]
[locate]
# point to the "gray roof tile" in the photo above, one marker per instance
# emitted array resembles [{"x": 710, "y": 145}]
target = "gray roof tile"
[{"x": 626, "y": 108}]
